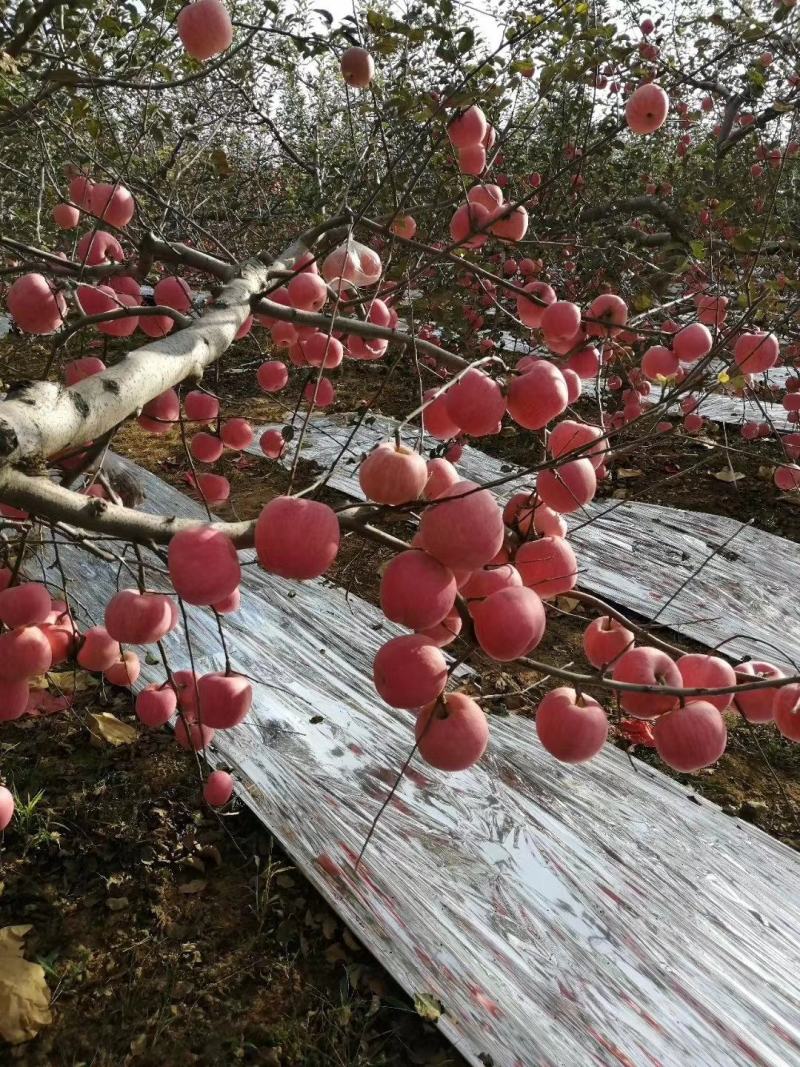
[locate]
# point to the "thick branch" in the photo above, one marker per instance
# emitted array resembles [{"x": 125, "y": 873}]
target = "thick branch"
[
  {"x": 43, "y": 418},
  {"x": 730, "y": 113},
  {"x": 640, "y": 205},
  {"x": 727, "y": 141},
  {"x": 31, "y": 25},
  {"x": 645, "y": 240},
  {"x": 45, "y": 499},
  {"x": 709, "y": 84},
  {"x": 153, "y": 247},
  {"x": 48, "y": 500},
  {"x": 10, "y": 115}
]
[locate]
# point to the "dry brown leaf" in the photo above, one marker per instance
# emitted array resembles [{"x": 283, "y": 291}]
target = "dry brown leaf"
[
  {"x": 350, "y": 941},
  {"x": 117, "y": 903},
  {"x": 196, "y": 886},
  {"x": 728, "y": 475},
  {"x": 111, "y": 729},
  {"x": 335, "y": 953},
  {"x": 620, "y": 494},
  {"x": 211, "y": 852},
  {"x": 628, "y": 472},
  {"x": 24, "y": 996},
  {"x": 138, "y": 1045}
]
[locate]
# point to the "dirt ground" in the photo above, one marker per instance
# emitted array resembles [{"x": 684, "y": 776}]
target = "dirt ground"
[{"x": 171, "y": 934}]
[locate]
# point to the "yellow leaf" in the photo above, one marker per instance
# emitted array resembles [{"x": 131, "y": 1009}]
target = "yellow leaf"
[
  {"x": 24, "y": 996},
  {"x": 728, "y": 475},
  {"x": 71, "y": 681},
  {"x": 110, "y": 728},
  {"x": 723, "y": 377},
  {"x": 567, "y": 603},
  {"x": 8, "y": 64},
  {"x": 428, "y": 1006}
]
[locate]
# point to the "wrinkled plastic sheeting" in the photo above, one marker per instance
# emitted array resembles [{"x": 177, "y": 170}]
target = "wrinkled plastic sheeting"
[
  {"x": 562, "y": 916},
  {"x": 719, "y": 407},
  {"x": 711, "y": 578}
]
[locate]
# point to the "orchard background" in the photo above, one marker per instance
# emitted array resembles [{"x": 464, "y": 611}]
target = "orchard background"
[{"x": 556, "y": 246}]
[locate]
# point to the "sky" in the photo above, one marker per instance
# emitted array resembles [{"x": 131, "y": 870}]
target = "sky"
[{"x": 490, "y": 29}]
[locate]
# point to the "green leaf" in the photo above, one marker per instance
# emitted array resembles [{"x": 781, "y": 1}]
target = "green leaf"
[
  {"x": 378, "y": 22},
  {"x": 548, "y": 76},
  {"x": 112, "y": 26},
  {"x": 467, "y": 41},
  {"x": 642, "y": 302},
  {"x": 745, "y": 242},
  {"x": 385, "y": 46}
]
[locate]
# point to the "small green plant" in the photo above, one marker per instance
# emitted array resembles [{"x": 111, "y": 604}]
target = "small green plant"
[{"x": 33, "y": 820}]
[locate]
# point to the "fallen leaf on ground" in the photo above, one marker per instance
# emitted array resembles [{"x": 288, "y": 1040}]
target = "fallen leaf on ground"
[
  {"x": 637, "y": 732},
  {"x": 567, "y": 603},
  {"x": 335, "y": 953},
  {"x": 195, "y": 886},
  {"x": 43, "y": 702},
  {"x": 628, "y": 472},
  {"x": 24, "y": 996},
  {"x": 427, "y": 1006},
  {"x": 72, "y": 681},
  {"x": 111, "y": 729},
  {"x": 350, "y": 941},
  {"x": 727, "y": 475}
]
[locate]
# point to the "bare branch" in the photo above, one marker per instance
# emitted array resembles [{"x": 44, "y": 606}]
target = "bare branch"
[
  {"x": 265, "y": 306},
  {"x": 145, "y": 311},
  {"x": 644, "y": 205},
  {"x": 727, "y": 140},
  {"x": 46, "y": 499},
  {"x": 31, "y": 25}
]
